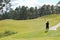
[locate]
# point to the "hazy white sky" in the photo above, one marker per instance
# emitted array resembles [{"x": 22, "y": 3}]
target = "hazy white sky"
[{"x": 33, "y": 3}]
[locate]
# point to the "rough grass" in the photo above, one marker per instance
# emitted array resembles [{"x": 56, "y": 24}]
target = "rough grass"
[
  {"x": 31, "y": 29},
  {"x": 6, "y": 33}
]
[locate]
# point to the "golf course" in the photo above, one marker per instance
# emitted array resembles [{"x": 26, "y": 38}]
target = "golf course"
[{"x": 33, "y": 29}]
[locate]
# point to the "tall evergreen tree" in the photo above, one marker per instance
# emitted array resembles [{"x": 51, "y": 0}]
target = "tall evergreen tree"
[
  {"x": 23, "y": 12},
  {"x": 31, "y": 12},
  {"x": 42, "y": 10},
  {"x": 52, "y": 9},
  {"x": 36, "y": 12},
  {"x": 48, "y": 9}
]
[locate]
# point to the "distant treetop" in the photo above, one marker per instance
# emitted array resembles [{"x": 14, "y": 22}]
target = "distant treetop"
[{"x": 59, "y": 2}]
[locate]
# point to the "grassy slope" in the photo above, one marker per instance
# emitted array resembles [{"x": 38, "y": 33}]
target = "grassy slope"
[{"x": 31, "y": 29}]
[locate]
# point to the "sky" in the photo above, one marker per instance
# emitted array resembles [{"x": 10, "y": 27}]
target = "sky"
[{"x": 33, "y": 3}]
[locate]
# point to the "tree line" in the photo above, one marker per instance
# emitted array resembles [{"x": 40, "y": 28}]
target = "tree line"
[{"x": 24, "y": 12}]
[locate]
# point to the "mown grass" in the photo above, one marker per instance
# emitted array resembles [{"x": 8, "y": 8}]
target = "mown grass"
[{"x": 31, "y": 29}]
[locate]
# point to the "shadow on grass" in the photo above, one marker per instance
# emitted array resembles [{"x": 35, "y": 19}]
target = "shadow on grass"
[{"x": 7, "y": 33}]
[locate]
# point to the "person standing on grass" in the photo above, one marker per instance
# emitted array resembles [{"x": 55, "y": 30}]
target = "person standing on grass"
[{"x": 47, "y": 25}]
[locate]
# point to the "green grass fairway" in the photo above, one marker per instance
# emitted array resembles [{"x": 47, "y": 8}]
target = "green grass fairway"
[{"x": 31, "y": 29}]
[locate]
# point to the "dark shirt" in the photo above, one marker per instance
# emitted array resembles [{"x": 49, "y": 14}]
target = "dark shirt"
[{"x": 47, "y": 25}]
